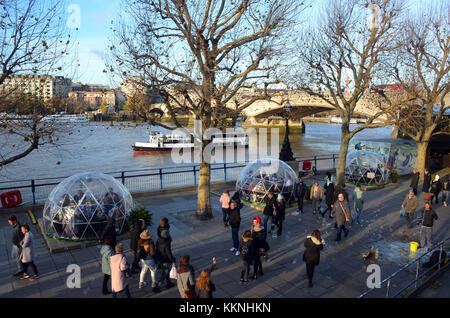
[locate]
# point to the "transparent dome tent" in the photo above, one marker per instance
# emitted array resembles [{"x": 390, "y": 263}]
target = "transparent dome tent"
[
  {"x": 264, "y": 175},
  {"x": 81, "y": 206},
  {"x": 366, "y": 168}
]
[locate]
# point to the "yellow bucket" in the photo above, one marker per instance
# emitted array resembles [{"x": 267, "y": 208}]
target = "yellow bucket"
[{"x": 413, "y": 247}]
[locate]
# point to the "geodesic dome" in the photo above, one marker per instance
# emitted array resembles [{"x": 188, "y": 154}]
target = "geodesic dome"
[
  {"x": 366, "y": 167},
  {"x": 264, "y": 175},
  {"x": 81, "y": 206}
]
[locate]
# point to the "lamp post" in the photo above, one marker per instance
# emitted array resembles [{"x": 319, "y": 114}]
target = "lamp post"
[{"x": 286, "y": 151}]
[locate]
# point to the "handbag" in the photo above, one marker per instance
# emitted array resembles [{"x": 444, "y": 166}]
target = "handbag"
[
  {"x": 127, "y": 272},
  {"x": 173, "y": 273},
  {"x": 402, "y": 212},
  {"x": 188, "y": 293}
]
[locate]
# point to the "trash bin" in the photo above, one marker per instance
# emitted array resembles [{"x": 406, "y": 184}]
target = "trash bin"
[{"x": 413, "y": 247}]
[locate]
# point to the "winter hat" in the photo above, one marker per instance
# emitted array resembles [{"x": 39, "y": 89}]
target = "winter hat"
[
  {"x": 146, "y": 235},
  {"x": 258, "y": 219},
  {"x": 280, "y": 197}
]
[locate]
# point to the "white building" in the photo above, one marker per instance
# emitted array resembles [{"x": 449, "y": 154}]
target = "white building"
[{"x": 43, "y": 86}]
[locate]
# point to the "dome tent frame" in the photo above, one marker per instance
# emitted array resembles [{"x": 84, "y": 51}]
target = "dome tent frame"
[
  {"x": 81, "y": 206},
  {"x": 261, "y": 176},
  {"x": 366, "y": 168}
]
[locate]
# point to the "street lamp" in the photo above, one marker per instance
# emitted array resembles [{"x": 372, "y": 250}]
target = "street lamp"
[{"x": 286, "y": 151}]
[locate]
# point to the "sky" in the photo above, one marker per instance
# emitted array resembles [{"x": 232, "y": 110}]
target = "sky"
[{"x": 92, "y": 36}]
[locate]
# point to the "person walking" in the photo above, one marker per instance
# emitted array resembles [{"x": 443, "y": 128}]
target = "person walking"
[
  {"x": 341, "y": 209},
  {"x": 426, "y": 183},
  {"x": 225, "y": 201},
  {"x": 27, "y": 255},
  {"x": 147, "y": 259},
  {"x": 329, "y": 198},
  {"x": 186, "y": 278},
  {"x": 281, "y": 214},
  {"x": 410, "y": 206},
  {"x": 316, "y": 196},
  {"x": 300, "y": 193},
  {"x": 446, "y": 191},
  {"x": 247, "y": 252},
  {"x": 415, "y": 182},
  {"x": 119, "y": 265},
  {"x": 164, "y": 255},
  {"x": 17, "y": 237},
  {"x": 106, "y": 251},
  {"x": 260, "y": 246},
  {"x": 270, "y": 211},
  {"x": 235, "y": 223},
  {"x": 358, "y": 202},
  {"x": 204, "y": 285},
  {"x": 435, "y": 189},
  {"x": 163, "y": 225},
  {"x": 110, "y": 232},
  {"x": 135, "y": 233},
  {"x": 329, "y": 179},
  {"x": 313, "y": 245},
  {"x": 428, "y": 217}
]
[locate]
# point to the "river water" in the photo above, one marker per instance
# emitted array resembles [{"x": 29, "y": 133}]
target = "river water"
[{"x": 104, "y": 148}]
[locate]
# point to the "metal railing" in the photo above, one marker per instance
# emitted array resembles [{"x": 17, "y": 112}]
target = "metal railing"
[
  {"x": 36, "y": 191},
  {"x": 388, "y": 282}
]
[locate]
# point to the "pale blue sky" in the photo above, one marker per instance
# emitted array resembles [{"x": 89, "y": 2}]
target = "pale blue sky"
[{"x": 92, "y": 36}]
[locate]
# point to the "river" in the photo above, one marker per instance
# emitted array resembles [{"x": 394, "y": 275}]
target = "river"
[{"x": 105, "y": 148}]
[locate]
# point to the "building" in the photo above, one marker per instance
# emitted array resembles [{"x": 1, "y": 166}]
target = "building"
[
  {"x": 82, "y": 87},
  {"x": 93, "y": 99},
  {"x": 42, "y": 86},
  {"x": 133, "y": 85}
]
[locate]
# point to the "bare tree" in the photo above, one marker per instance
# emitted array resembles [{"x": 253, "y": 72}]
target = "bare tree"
[
  {"x": 347, "y": 41},
  {"x": 34, "y": 41},
  {"x": 421, "y": 66},
  {"x": 197, "y": 55}
]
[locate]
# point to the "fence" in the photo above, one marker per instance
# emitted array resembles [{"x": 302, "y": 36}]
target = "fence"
[
  {"x": 36, "y": 191},
  {"x": 390, "y": 288}
]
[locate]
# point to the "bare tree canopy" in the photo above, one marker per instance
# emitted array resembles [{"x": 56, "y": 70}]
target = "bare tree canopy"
[
  {"x": 421, "y": 65},
  {"x": 198, "y": 54},
  {"x": 339, "y": 58},
  {"x": 35, "y": 40}
]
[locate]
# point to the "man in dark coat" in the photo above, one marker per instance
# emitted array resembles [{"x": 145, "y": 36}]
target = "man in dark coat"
[
  {"x": 235, "y": 223},
  {"x": 329, "y": 198},
  {"x": 341, "y": 209},
  {"x": 428, "y": 217},
  {"x": 164, "y": 255},
  {"x": 17, "y": 237},
  {"x": 414, "y": 182},
  {"x": 269, "y": 210},
  {"x": 426, "y": 181},
  {"x": 300, "y": 192},
  {"x": 135, "y": 233},
  {"x": 110, "y": 233}
]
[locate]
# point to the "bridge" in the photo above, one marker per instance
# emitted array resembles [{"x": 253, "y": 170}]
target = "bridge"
[{"x": 304, "y": 105}]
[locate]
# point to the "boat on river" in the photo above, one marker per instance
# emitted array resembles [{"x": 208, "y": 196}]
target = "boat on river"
[{"x": 161, "y": 143}]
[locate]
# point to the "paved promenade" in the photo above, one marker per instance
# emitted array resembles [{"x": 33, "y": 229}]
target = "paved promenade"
[{"x": 341, "y": 272}]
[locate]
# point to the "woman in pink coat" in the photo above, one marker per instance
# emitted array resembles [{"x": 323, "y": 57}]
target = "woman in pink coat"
[{"x": 119, "y": 265}]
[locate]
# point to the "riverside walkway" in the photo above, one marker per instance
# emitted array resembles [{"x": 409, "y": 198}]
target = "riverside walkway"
[{"x": 341, "y": 272}]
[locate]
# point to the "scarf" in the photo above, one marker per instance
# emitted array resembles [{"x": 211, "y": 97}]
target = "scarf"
[{"x": 315, "y": 240}]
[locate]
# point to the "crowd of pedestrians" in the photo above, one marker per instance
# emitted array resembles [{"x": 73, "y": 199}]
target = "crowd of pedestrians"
[{"x": 155, "y": 256}]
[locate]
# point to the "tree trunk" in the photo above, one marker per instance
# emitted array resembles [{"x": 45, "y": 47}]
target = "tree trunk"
[
  {"x": 204, "y": 211},
  {"x": 340, "y": 173},
  {"x": 421, "y": 157}
]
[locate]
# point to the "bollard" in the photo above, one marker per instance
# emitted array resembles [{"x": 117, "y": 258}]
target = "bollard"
[
  {"x": 33, "y": 189},
  {"x": 161, "y": 178}
]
